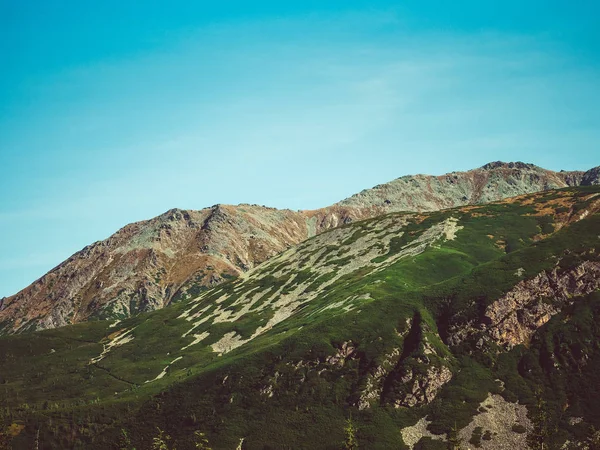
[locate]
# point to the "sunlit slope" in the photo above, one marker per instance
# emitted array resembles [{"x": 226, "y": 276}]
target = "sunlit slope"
[
  {"x": 150, "y": 264},
  {"x": 392, "y": 318}
]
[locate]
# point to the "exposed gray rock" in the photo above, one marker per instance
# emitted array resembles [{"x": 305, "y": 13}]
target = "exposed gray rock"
[
  {"x": 516, "y": 316},
  {"x": 591, "y": 177},
  {"x": 531, "y": 303},
  {"x": 423, "y": 389}
]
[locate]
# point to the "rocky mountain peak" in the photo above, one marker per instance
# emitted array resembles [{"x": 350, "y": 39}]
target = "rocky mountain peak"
[
  {"x": 509, "y": 165},
  {"x": 591, "y": 177}
]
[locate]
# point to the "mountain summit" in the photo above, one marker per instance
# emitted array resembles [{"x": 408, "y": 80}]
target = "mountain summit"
[{"x": 147, "y": 265}]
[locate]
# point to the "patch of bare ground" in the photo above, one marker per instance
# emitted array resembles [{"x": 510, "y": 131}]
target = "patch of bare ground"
[
  {"x": 413, "y": 434},
  {"x": 497, "y": 420}
]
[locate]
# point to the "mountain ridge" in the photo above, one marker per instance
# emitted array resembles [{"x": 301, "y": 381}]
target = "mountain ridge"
[
  {"x": 475, "y": 323},
  {"x": 148, "y": 264}
]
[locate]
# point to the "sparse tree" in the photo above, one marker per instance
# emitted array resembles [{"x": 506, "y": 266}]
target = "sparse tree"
[
  {"x": 125, "y": 441},
  {"x": 200, "y": 441},
  {"x": 538, "y": 437},
  {"x": 161, "y": 441},
  {"x": 454, "y": 441},
  {"x": 350, "y": 441},
  {"x": 36, "y": 444}
]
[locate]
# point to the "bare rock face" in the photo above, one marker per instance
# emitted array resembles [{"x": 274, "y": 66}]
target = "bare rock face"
[
  {"x": 515, "y": 317},
  {"x": 423, "y": 388},
  {"x": 492, "y": 182},
  {"x": 409, "y": 375},
  {"x": 148, "y": 264},
  {"x": 343, "y": 353},
  {"x": 591, "y": 177},
  {"x": 375, "y": 381},
  {"x": 143, "y": 265}
]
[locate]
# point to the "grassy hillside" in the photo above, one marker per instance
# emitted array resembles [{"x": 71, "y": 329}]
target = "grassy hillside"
[{"x": 386, "y": 321}]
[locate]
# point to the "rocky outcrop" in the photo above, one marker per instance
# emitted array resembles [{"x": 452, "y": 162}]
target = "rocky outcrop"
[
  {"x": 371, "y": 394},
  {"x": 342, "y": 354},
  {"x": 514, "y": 318},
  {"x": 423, "y": 388},
  {"x": 146, "y": 265},
  {"x": 410, "y": 376},
  {"x": 591, "y": 177},
  {"x": 492, "y": 182}
]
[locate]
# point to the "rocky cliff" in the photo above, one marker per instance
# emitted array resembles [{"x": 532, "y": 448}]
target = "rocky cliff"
[
  {"x": 494, "y": 181},
  {"x": 146, "y": 265}
]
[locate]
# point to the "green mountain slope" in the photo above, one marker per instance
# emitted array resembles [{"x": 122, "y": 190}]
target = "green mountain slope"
[{"x": 424, "y": 328}]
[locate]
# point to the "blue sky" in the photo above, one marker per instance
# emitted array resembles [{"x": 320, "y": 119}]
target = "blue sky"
[{"x": 116, "y": 111}]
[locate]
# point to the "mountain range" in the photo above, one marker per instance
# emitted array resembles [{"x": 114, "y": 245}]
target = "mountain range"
[
  {"x": 150, "y": 264},
  {"x": 427, "y": 313}
]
